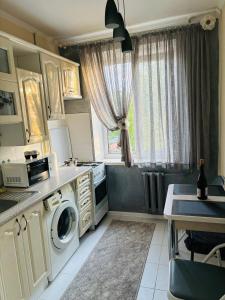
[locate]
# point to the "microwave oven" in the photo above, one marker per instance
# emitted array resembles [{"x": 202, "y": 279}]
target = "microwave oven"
[{"x": 26, "y": 173}]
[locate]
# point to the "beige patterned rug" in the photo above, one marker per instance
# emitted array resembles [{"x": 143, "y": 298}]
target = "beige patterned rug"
[{"x": 114, "y": 269}]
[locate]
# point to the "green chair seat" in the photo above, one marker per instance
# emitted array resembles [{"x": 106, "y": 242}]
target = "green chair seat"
[{"x": 196, "y": 281}]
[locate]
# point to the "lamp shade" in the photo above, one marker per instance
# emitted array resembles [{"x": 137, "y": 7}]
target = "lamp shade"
[
  {"x": 119, "y": 34},
  {"x": 111, "y": 15},
  {"x": 127, "y": 43}
]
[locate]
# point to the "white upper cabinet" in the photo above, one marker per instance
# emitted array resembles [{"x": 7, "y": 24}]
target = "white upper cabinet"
[
  {"x": 10, "y": 110},
  {"x": 51, "y": 71},
  {"x": 33, "y": 106},
  {"x": 71, "y": 81},
  {"x": 7, "y": 67}
]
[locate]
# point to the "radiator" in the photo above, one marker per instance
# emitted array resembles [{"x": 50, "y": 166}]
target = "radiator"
[{"x": 154, "y": 192}]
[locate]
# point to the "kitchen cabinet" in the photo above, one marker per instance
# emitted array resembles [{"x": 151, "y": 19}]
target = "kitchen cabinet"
[
  {"x": 33, "y": 106},
  {"x": 10, "y": 110},
  {"x": 24, "y": 262},
  {"x": 14, "y": 280},
  {"x": 7, "y": 66},
  {"x": 83, "y": 188},
  {"x": 51, "y": 70},
  {"x": 71, "y": 80},
  {"x": 35, "y": 249}
]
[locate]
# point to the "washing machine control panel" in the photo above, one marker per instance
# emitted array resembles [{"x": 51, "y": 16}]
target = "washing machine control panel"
[{"x": 53, "y": 201}]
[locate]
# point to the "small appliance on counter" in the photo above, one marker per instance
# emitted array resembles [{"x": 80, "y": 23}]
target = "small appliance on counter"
[
  {"x": 31, "y": 154},
  {"x": 25, "y": 173}
]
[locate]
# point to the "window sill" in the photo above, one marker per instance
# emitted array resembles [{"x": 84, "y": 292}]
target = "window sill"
[{"x": 113, "y": 162}]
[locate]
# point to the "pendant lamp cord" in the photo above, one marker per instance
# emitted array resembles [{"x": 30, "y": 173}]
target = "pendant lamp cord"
[{"x": 124, "y": 13}]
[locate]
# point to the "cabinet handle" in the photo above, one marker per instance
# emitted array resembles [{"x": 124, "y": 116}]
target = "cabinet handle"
[
  {"x": 17, "y": 221},
  {"x": 49, "y": 110},
  {"x": 28, "y": 132},
  {"x": 25, "y": 228},
  {"x": 35, "y": 214}
]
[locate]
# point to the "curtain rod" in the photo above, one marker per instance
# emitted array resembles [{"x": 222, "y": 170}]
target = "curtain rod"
[{"x": 157, "y": 25}]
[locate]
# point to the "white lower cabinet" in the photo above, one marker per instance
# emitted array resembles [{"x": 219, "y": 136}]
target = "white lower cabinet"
[
  {"x": 84, "y": 196},
  {"x": 24, "y": 261},
  {"x": 12, "y": 263}
]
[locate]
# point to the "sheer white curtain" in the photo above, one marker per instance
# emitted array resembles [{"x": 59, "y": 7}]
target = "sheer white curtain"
[
  {"x": 107, "y": 73},
  {"x": 176, "y": 96},
  {"x": 161, "y": 102}
]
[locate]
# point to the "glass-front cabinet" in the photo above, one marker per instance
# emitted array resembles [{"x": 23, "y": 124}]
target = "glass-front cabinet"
[
  {"x": 71, "y": 81},
  {"x": 53, "y": 86},
  {"x": 7, "y": 66},
  {"x": 10, "y": 110},
  {"x": 33, "y": 106}
]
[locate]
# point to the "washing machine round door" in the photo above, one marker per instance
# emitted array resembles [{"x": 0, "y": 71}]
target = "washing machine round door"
[{"x": 64, "y": 225}]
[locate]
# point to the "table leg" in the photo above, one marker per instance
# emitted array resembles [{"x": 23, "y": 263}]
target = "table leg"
[
  {"x": 176, "y": 241},
  {"x": 171, "y": 239}
]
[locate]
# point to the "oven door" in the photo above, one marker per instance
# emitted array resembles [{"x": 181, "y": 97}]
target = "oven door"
[
  {"x": 100, "y": 191},
  {"x": 38, "y": 171}
]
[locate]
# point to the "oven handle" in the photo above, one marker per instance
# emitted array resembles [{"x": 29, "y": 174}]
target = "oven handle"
[{"x": 99, "y": 182}]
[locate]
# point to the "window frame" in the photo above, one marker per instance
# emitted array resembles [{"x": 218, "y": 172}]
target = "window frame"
[{"x": 107, "y": 154}]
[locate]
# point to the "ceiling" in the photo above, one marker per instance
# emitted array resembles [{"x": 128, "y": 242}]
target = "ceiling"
[{"x": 65, "y": 18}]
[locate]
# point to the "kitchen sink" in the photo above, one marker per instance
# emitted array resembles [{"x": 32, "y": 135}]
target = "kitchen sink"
[
  {"x": 16, "y": 195},
  {"x": 6, "y": 204},
  {"x": 9, "y": 198}
]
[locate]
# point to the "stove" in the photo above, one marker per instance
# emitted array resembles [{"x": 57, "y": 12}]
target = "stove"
[
  {"x": 98, "y": 169},
  {"x": 89, "y": 164}
]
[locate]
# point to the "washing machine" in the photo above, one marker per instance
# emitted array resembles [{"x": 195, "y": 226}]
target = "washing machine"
[{"x": 62, "y": 225}]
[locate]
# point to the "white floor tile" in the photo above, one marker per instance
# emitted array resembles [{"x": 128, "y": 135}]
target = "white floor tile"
[
  {"x": 149, "y": 275},
  {"x": 162, "y": 278},
  {"x": 165, "y": 238},
  {"x": 57, "y": 288},
  {"x": 164, "y": 256},
  {"x": 154, "y": 254},
  {"x": 160, "y": 227},
  {"x": 145, "y": 294},
  {"x": 160, "y": 295},
  {"x": 157, "y": 238}
]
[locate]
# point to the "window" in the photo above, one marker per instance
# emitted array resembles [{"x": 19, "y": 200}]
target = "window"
[
  {"x": 114, "y": 136},
  {"x": 158, "y": 116}
]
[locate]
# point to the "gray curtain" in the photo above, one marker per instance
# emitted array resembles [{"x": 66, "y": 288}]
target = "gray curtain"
[
  {"x": 195, "y": 46},
  {"x": 107, "y": 73},
  {"x": 173, "y": 96}
]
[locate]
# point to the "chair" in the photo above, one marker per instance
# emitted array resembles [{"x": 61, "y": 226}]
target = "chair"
[
  {"x": 204, "y": 242},
  {"x": 196, "y": 280}
]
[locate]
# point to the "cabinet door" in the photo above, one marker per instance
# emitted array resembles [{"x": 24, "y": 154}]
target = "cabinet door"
[
  {"x": 53, "y": 86},
  {"x": 10, "y": 110},
  {"x": 7, "y": 66},
  {"x": 33, "y": 105},
  {"x": 14, "y": 280},
  {"x": 71, "y": 81},
  {"x": 35, "y": 247}
]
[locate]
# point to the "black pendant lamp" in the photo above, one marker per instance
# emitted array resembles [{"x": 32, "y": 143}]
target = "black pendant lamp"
[
  {"x": 119, "y": 33},
  {"x": 127, "y": 43},
  {"x": 111, "y": 15}
]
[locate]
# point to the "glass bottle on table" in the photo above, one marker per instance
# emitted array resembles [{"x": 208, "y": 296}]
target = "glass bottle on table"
[{"x": 202, "y": 185}]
